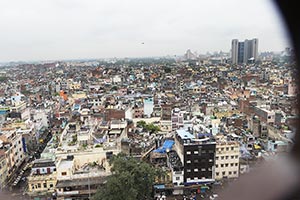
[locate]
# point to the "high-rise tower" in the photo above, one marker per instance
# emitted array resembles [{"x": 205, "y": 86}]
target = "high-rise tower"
[
  {"x": 234, "y": 51},
  {"x": 244, "y": 52}
]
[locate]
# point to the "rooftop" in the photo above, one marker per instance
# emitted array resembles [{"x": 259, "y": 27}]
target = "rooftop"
[
  {"x": 183, "y": 134},
  {"x": 67, "y": 164},
  {"x": 43, "y": 163}
]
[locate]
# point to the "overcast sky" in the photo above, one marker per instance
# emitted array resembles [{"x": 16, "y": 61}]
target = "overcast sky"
[{"x": 67, "y": 29}]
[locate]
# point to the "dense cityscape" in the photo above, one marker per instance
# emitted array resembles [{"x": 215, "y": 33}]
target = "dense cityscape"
[{"x": 175, "y": 127}]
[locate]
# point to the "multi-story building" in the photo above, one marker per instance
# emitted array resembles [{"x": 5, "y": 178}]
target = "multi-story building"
[
  {"x": 197, "y": 156},
  {"x": 42, "y": 179},
  {"x": 244, "y": 52},
  {"x": 227, "y": 159},
  {"x": 14, "y": 150},
  {"x": 177, "y": 119},
  {"x": 3, "y": 169},
  {"x": 234, "y": 51},
  {"x": 265, "y": 115},
  {"x": 78, "y": 183}
]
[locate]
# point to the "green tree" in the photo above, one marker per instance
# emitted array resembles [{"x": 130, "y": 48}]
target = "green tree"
[
  {"x": 131, "y": 179},
  {"x": 152, "y": 128},
  {"x": 141, "y": 124}
]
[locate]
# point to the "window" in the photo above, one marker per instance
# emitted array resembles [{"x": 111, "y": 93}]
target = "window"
[
  {"x": 223, "y": 173},
  {"x": 196, "y": 152},
  {"x": 188, "y": 161},
  {"x": 217, "y": 166},
  {"x": 217, "y": 157},
  {"x": 217, "y": 173},
  {"x": 234, "y": 172},
  {"x": 227, "y": 148},
  {"x": 203, "y": 169},
  {"x": 195, "y": 178},
  {"x": 32, "y": 186},
  {"x": 188, "y": 179},
  {"x": 188, "y": 170},
  {"x": 230, "y": 173},
  {"x": 236, "y": 164},
  {"x": 232, "y": 157},
  {"x": 39, "y": 185},
  {"x": 236, "y": 156},
  {"x": 64, "y": 173},
  {"x": 227, "y": 157},
  {"x": 195, "y": 170},
  {"x": 51, "y": 185},
  {"x": 232, "y": 148},
  {"x": 196, "y": 161},
  {"x": 222, "y": 157},
  {"x": 188, "y": 153},
  {"x": 226, "y": 165},
  {"x": 45, "y": 185},
  {"x": 210, "y": 160},
  {"x": 222, "y": 165},
  {"x": 177, "y": 178},
  {"x": 231, "y": 164},
  {"x": 222, "y": 149}
]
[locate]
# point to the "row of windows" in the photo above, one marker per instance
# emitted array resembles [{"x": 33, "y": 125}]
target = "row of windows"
[
  {"x": 227, "y": 164},
  {"x": 197, "y": 161},
  {"x": 225, "y": 149},
  {"x": 224, "y": 173},
  {"x": 202, "y": 169},
  {"x": 40, "y": 186},
  {"x": 195, "y": 178},
  {"x": 226, "y": 157},
  {"x": 201, "y": 152}
]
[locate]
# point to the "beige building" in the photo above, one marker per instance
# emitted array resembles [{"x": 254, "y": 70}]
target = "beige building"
[
  {"x": 80, "y": 182},
  {"x": 3, "y": 169},
  {"x": 227, "y": 159},
  {"x": 41, "y": 184},
  {"x": 42, "y": 179},
  {"x": 13, "y": 148}
]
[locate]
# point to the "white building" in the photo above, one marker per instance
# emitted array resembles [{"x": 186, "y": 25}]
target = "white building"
[{"x": 227, "y": 159}]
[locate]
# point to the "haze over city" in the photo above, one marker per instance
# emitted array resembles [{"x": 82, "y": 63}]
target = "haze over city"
[
  {"x": 147, "y": 100},
  {"x": 49, "y": 30}
]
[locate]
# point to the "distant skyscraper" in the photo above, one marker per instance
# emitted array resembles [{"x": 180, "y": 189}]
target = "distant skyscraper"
[
  {"x": 189, "y": 55},
  {"x": 244, "y": 52},
  {"x": 234, "y": 51}
]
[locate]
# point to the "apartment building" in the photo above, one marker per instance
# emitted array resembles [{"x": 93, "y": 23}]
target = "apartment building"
[
  {"x": 197, "y": 156},
  {"x": 227, "y": 159},
  {"x": 3, "y": 168},
  {"x": 42, "y": 179},
  {"x": 14, "y": 150}
]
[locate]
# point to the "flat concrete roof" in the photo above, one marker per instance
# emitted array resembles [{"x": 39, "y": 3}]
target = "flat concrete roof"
[
  {"x": 183, "y": 134},
  {"x": 66, "y": 164}
]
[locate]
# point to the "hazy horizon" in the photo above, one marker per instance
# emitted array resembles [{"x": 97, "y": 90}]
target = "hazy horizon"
[{"x": 72, "y": 30}]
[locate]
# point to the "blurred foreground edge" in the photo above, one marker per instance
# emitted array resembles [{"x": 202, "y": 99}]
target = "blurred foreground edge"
[{"x": 278, "y": 180}]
